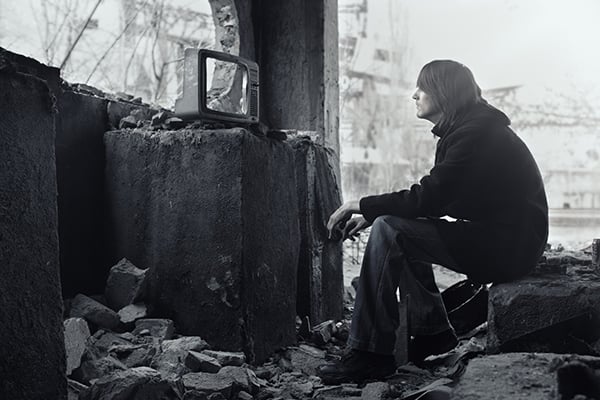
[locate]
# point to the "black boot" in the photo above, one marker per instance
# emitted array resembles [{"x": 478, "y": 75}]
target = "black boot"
[
  {"x": 357, "y": 366},
  {"x": 422, "y": 346}
]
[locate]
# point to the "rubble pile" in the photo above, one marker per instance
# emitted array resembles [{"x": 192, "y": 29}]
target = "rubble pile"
[{"x": 117, "y": 349}]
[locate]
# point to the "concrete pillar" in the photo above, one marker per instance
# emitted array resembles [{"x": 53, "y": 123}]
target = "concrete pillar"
[
  {"x": 214, "y": 215},
  {"x": 297, "y": 50},
  {"x": 32, "y": 355}
]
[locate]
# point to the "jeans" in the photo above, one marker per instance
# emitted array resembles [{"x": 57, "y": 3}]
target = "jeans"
[{"x": 399, "y": 254}]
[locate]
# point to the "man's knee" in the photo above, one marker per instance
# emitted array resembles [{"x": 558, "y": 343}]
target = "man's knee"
[
  {"x": 386, "y": 222},
  {"x": 386, "y": 225}
]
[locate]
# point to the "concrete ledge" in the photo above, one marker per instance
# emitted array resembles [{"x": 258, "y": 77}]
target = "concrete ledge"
[
  {"x": 533, "y": 303},
  {"x": 214, "y": 216}
]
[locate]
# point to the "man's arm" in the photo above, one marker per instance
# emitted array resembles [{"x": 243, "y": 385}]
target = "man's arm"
[{"x": 435, "y": 191}]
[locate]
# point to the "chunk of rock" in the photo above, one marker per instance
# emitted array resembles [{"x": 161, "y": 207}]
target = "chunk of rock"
[
  {"x": 77, "y": 333},
  {"x": 132, "y": 312},
  {"x": 93, "y": 368},
  {"x": 74, "y": 388},
  {"x": 375, "y": 391},
  {"x": 171, "y": 362},
  {"x": 156, "y": 327},
  {"x": 306, "y": 358},
  {"x": 244, "y": 378},
  {"x": 121, "y": 384},
  {"x": 227, "y": 358},
  {"x": 244, "y": 396},
  {"x": 137, "y": 355},
  {"x": 209, "y": 383},
  {"x": 125, "y": 285},
  {"x": 195, "y": 395},
  {"x": 102, "y": 341},
  {"x": 128, "y": 122},
  {"x": 94, "y": 312},
  {"x": 198, "y": 362}
]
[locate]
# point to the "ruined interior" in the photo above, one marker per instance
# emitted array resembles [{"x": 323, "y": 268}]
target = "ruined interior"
[{"x": 148, "y": 257}]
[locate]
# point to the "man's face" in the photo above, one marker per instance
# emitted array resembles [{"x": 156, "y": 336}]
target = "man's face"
[{"x": 426, "y": 108}]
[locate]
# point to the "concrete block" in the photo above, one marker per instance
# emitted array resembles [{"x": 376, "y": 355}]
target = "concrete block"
[
  {"x": 125, "y": 284},
  {"x": 530, "y": 304},
  {"x": 214, "y": 216},
  {"x": 320, "y": 271},
  {"x": 156, "y": 327},
  {"x": 94, "y": 312},
  {"x": 32, "y": 348},
  {"x": 77, "y": 333}
]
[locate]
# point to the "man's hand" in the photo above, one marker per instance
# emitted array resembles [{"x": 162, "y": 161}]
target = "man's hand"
[
  {"x": 354, "y": 226},
  {"x": 338, "y": 219}
]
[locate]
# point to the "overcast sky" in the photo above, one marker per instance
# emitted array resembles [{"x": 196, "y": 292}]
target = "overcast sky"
[{"x": 505, "y": 42}]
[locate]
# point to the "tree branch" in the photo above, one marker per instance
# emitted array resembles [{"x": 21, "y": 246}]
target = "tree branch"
[{"x": 89, "y": 18}]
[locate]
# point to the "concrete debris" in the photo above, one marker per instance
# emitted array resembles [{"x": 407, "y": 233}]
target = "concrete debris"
[
  {"x": 96, "y": 368},
  {"x": 76, "y": 332},
  {"x": 174, "y": 123},
  {"x": 244, "y": 396},
  {"x": 121, "y": 384},
  {"x": 209, "y": 383},
  {"x": 132, "y": 312},
  {"x": 322, "y": 333},
  {"x": 159, "y": 118},
  {"x": 125, "y": 285},
  {"x": 74, "y": 389},
  {"x": 226, "y": 358},
  {"x": 140, "y": 354},
  {"x": 160, "y": 328},
  {"x": 128, "y": 122},
  {"x": 244, "y": 378},
  {"x": 375, "y": 391},
  {"x": 94, "y": 312},
  {"x": 171, "y": 362},
  {"x": 124, "y": 96},
  {"x": 87, "y": 89},
  {"x": 198, "y": 362}
]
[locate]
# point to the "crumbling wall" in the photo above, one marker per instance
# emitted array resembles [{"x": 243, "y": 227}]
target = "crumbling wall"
[
  {"x": 213, "y": 214},
  {"x": 84, "y": 118},
  {"x": 320, "y": 275},
  {"x": 32, "y": 355}
]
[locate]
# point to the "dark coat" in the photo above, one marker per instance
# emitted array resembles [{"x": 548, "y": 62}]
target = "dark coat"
[{"x": 486, "y": 178}]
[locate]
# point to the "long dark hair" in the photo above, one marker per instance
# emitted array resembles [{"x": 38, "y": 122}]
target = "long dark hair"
[{"x": 452, "y": 88}]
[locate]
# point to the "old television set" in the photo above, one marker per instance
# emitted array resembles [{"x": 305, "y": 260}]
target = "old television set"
[{"x": 217, "y": 86}]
